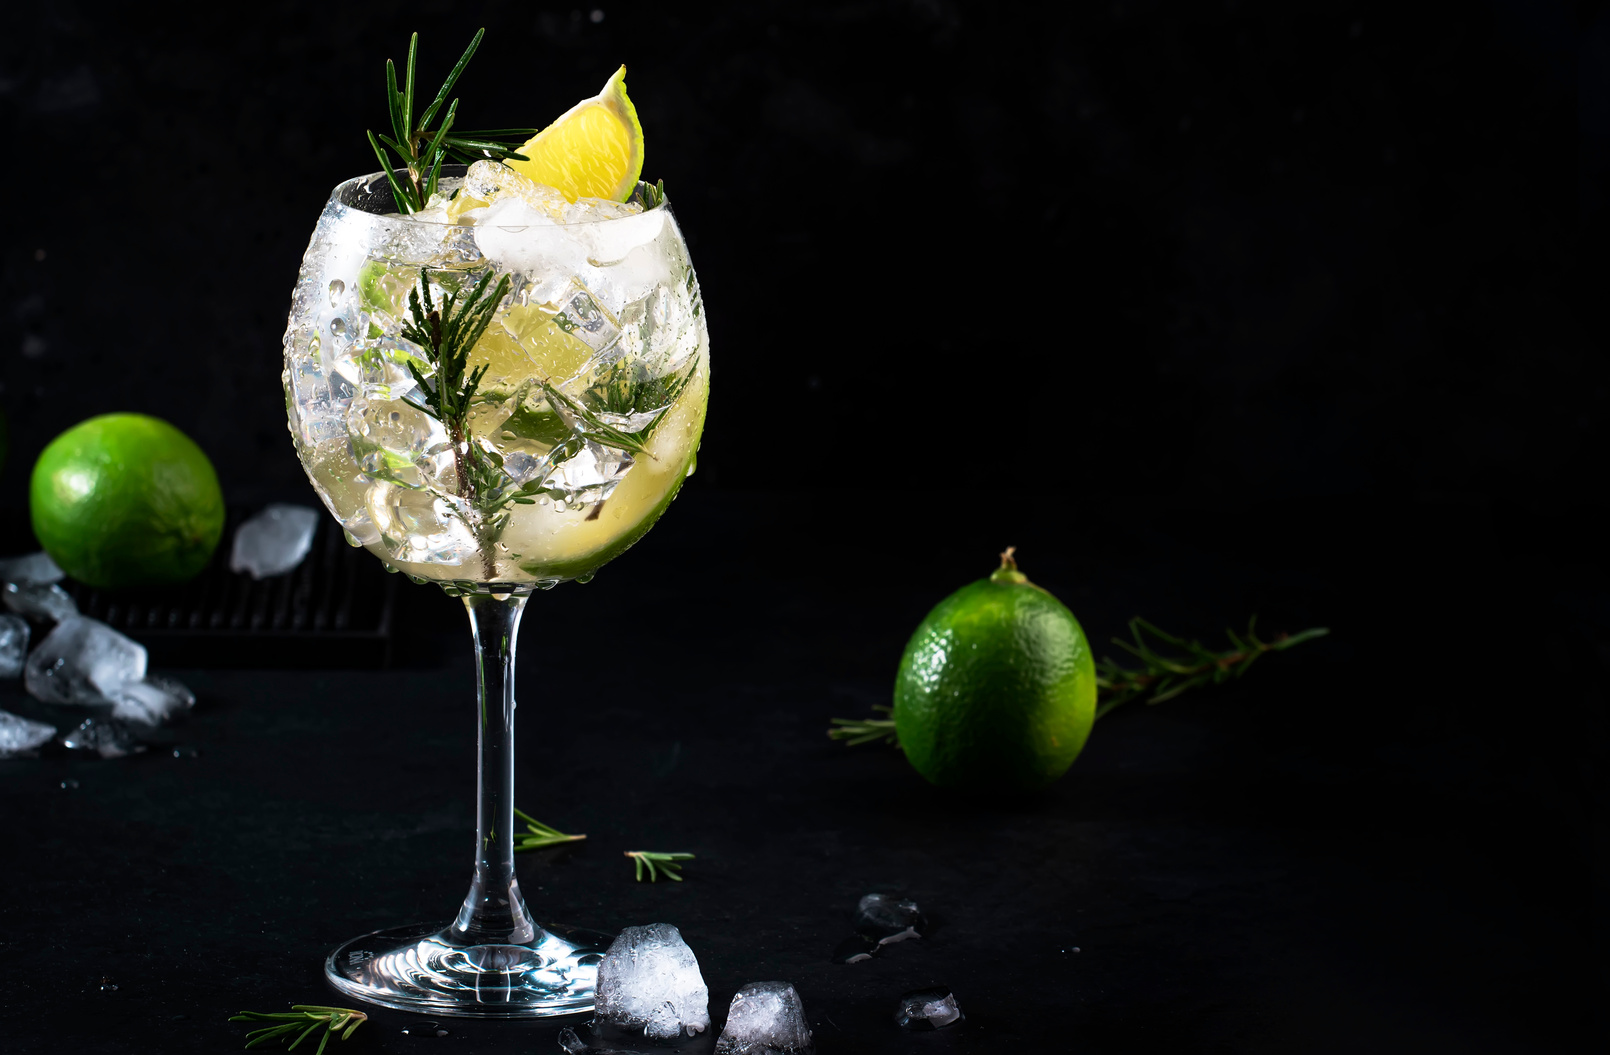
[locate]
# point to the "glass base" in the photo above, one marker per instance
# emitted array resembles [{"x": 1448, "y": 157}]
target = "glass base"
[{"x": 424, "y": 968}]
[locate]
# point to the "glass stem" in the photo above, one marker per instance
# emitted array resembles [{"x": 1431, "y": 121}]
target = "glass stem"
[{"x": 494, "y": 912}]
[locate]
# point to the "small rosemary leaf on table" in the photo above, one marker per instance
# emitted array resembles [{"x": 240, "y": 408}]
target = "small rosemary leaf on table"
[
  {"x": 655, "y": 862},
  {"x": 537, "y": 835},
  {"x": 865, "y": 730}
]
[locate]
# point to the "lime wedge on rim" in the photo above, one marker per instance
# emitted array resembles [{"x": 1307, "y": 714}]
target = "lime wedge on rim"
[{"x": 594, "y": 150}]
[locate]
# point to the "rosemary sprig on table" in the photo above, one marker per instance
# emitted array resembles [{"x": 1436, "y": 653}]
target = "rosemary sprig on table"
[
  {"x": 864, "y": 730},
  {"x": 422, "y": 150},
  {"x": 301, "y": 1019},
  {"x": 1162, "y": 677},
  {"x": 655, "y": 863},
  {"x": 538, "y": 835}
]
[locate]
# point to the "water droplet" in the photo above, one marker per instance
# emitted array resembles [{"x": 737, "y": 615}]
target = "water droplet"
[
  {"x": 338, "y": 327},
  {"x": 337, "y": 288},
  {"x": 587, "y": 577},
  {"x": 392, "y": 568},
  {"x": 352, "y": 540},
  {"x": 415, "y": 579}
]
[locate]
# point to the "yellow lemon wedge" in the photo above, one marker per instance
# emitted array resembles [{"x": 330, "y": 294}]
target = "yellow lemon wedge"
[{"x": 595, "y": 150}]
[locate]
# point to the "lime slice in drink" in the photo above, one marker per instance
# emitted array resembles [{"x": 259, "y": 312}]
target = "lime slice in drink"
[{"x": 595, "y": 150}]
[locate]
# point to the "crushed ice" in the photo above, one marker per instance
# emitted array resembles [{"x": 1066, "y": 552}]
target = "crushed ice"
[
  {"x": 40, "y": 601},
  {"x": 925, "y": 1009},
  {"x": 649, "y": 981},
  {"x": 13, "y": 645},
  {"x": 766, "y": 1018},
  {"x": 274, "y": 541},
  {"x": 34, "y": 569},
  {"x": 887, "y": 919},
  {"x": 85, "y": 662},
  {"x": 19, "y": 735}
]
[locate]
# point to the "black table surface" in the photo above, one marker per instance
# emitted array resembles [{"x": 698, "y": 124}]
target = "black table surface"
[{"x": 1374, "y": 842}]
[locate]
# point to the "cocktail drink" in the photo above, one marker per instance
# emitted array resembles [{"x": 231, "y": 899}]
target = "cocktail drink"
[
  {"x": 495, "y": 386},
  {"x": 590, "y": 367}
]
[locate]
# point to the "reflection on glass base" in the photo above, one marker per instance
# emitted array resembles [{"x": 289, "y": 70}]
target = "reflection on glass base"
[{"x": 424, "y": 968}]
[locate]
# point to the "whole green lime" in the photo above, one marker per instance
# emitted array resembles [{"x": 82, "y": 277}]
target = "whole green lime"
[
  {"x": 126, "y": 500},
  {"x": 997, "y": 688}
]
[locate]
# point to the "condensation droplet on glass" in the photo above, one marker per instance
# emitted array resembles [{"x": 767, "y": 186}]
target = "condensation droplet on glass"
[
  {"x": 584, "y": 578},
  {"x": 337, "y": 287},
  {"x": 352, "y": 540},
  {"x": 338, "y": 326}
]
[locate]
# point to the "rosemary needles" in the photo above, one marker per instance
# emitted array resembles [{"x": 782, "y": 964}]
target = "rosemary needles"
[
  {"x": 538, "y": 835},
  {"x": 655, "y": 863},
  {"x": 422, "y": 150},
  {"x": 301, "y": 1020},
  {"x": 1159, "y": 677}
]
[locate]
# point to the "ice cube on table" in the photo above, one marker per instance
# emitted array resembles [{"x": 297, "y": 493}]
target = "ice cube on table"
[
  {"x": 766, "y": 1018},
  {"x": 150, "y": 701},
  {"x": 13, "y": 645},
  {"x": 888, "y": 919},
  {"x": 35, "y": 569},
  {"x": 40, "y": 601},
  {"x": 107, "y": 737},
  {"x": 649, "y": 980},
  {"x": 82, "y": 661},
  {"x": 19, "y": 735},
  {"x": 924, "y": 1009},
  {"x": 274, "y": 541}
]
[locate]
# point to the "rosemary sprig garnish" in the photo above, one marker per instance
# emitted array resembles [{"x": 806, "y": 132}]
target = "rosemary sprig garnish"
[
  {"x": 1159, "y": 678},
  {"x": 1165, "y": 677},
  {"x": 655, "y": 863},
  {"x": 621, "y": 398},
  {"x": 422, "y": 150},
  {"x": 538, "y": 834},
  {"x": 653, "y": 194},
  {"x": 301, "y": 1019},
  {"x": 446, "y": 335}
]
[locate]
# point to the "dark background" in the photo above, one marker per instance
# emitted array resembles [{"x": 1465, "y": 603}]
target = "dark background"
[{"x": 1210, "y": 310}]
